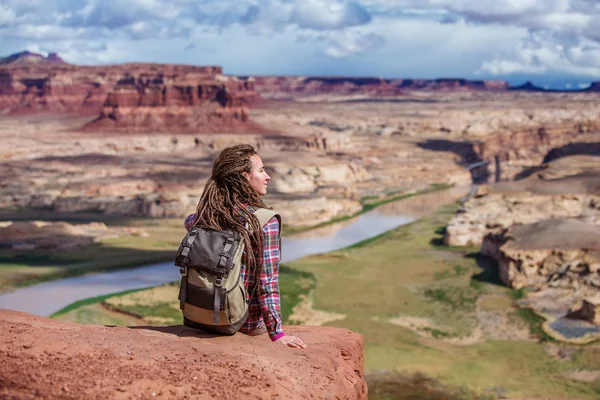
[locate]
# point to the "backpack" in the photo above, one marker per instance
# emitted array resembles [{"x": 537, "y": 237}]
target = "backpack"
[{"x": 212, "y": 295}]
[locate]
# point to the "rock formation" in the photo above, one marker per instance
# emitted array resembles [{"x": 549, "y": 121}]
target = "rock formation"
[
  {"x": 128, "y": 97},
  {"x": 553, "y": 252},
  {"x": 285, "y": 86},
  {"x": 587, "y": 310},
  {"x": 164, "y": 100},
  {"x": 31, "y": 235},
  {"x": 502, "y": 205},
  {"x": 46, "y": 359},
  {"x": 28, "y": 58},
  {"x": 451, "y": 84},
  {"x": 545, "y": 237}
]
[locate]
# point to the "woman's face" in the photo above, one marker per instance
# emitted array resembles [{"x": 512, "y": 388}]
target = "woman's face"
[{"x": 257, "y": 176}]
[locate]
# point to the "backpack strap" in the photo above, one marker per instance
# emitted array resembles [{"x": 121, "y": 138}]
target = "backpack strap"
[{"x": 264, "y": 215}]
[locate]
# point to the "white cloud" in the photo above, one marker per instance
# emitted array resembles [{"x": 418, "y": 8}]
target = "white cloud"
[
  {"x": 326, "y": 15},
  {"x": 349, "y": 42},
  {"x": 543, "y": 52},
  {"x": 7, "y": 16},
  {"x": 438, "y": 37}
]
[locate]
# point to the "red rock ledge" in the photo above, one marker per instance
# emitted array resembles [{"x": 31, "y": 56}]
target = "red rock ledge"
[{"x": 45, "y": 359}]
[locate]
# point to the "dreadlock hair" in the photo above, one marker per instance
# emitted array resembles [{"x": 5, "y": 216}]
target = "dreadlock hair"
[{"x": 221, "y": 205}]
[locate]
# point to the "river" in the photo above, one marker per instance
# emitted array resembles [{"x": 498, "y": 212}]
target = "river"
[{"x": 48, "y": 297}]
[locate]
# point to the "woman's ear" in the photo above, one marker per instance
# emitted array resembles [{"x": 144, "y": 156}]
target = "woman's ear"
[{"x": 246, "y": 175}]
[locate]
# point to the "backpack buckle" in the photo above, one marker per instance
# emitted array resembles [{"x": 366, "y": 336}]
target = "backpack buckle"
[{"x": 183, "y": 271}]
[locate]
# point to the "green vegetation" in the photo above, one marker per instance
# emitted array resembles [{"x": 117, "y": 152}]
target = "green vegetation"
[
  {"x": 535, "y": 324},
  {"x": 293, "y": 285},
  {"x": 457, "y": 298},
  {"x": 90, "y": 300}
]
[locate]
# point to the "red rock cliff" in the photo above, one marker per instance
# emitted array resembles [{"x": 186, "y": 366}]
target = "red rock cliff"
[
  {"x": 128, "y": 97},
  {"x": 167, "y": 99},
  {"x": 46, "y": 359}
]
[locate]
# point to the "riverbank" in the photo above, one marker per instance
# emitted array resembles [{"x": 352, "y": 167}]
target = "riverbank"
[
  {"x": 25, "y": 268},
  {"x": 19, "y": 268}
]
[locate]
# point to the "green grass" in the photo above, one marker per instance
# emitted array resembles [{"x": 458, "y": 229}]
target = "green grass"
[
  {"x": 91, "y": 300},
  {"x": 293, "y": 284},
  {"x": 456, "y": 298},
  {"x": 534, "y": 322}
]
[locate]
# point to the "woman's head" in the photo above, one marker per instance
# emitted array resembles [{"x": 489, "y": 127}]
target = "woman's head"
[
  {"x": 241, "y": 161},
  {"x": 238, "y": 180}
]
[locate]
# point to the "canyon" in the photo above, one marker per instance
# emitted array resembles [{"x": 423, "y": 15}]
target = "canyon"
[
  {"x": 130, "y": 141},
  {"x": 138, "y": 140}
]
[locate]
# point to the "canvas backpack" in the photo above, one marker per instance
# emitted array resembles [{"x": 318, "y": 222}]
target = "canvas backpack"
[{"x": 212, "y": 295}]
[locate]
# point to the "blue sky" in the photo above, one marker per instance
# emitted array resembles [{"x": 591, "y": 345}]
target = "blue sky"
[{"x": 551, "y": 42}]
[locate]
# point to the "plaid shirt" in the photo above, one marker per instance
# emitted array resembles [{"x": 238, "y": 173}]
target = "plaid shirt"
[{"x": 265, "y": 308}]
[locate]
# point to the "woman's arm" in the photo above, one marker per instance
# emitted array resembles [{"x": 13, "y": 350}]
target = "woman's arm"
[{"x": 269, "y": 299}]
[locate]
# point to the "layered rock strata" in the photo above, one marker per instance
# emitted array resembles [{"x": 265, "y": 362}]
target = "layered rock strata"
[
  {"x": 129, "y": 97},
  {"x": 48, "y": 359},
  {"x": 165, "y": 101},
  {"x": 497, "y": 207},
  {"x": 553, "y": 252},
  {"x": 558, "y": 262}
]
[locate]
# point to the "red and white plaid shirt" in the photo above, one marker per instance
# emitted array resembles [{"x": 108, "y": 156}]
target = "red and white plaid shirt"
[{"x": 265, "y": 308}]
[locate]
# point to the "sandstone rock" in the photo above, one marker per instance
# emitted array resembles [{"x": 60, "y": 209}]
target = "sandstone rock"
[
  {"x": 288, "y": 178},
  {"x": 587, "y": 309},
  {"x": 524, "y": 202},
  {"x": 314, "y": 210},
  {"x": 557, "y": 252},
  {"x": 131, "y": 97},
  {"x": 48, "y": 359},
  {"x": 166, "y": 101}
]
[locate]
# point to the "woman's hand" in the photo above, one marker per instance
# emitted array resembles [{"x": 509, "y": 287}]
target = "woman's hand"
[{"x": 291, "y": 341}]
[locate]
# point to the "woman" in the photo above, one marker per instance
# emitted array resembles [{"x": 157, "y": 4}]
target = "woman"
[{"x": 233, "y": 191}]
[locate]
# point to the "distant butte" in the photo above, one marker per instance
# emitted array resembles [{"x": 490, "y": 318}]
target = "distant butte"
[{"x": 28, "y": 58}]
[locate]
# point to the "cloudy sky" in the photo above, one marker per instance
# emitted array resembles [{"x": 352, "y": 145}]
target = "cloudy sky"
[{"x": 551, "y": 42}]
